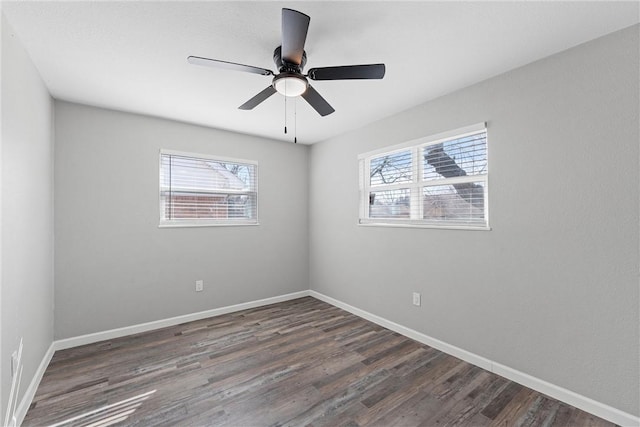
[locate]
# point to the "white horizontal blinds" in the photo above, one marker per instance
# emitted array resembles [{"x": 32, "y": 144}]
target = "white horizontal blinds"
[
  {"x": 456, "y": 157},
  {"x": 461, "y": 162},
  {"x": 457, "y": 203},
  {"x": 390, "y": 203},
  {"x": 393, "y": 168},
  {"x": 392, "y": 171},
  {"x": 201, "y": 189}
]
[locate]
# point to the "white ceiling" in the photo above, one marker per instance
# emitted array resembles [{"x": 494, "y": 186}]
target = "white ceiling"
[{"x": 131, "y": 56}]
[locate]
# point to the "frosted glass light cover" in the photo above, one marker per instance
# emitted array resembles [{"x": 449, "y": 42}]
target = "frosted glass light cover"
[{"x": 290, "y": 86}]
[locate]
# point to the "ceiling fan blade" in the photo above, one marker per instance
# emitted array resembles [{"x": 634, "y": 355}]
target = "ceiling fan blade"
[
  {"x": 317, "y": 102},
  {"x": 228, "y": 65},
  {"x": 253, "y": 102},
  {"x": 348, "y": 72},
  {"x": 294, "y": 33}
]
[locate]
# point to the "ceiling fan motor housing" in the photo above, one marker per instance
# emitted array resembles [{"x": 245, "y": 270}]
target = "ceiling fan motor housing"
[{"x": 285, "y": 66}]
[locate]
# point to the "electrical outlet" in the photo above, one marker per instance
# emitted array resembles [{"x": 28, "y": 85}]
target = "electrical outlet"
[
  {"x": 416, "y": 298},
  {"x": 199, "y": 285}
]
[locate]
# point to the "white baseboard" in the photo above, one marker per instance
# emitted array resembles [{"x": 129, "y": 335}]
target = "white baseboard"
[
  {"x": 25, "y": 402},
  {"x": 598, "y": 409},
  {"x": 172, "y": 321},
  {"x": 587, "y": 404}
]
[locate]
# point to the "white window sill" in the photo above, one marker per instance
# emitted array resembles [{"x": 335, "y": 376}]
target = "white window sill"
[
  {"x": 419, "y": 225},
  {"x": 206, "y": 224}
]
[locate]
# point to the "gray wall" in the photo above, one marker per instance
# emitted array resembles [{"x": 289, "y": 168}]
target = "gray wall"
[
  {"x": 552, "y": 289},
  {"x": 26, "y": 215},
  {"x": 114, "y": 267}
]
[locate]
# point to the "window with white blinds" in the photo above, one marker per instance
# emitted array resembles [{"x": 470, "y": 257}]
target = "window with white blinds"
[
  {"x": 196, "y": 189},
  {"x": 437, "y": 181}
]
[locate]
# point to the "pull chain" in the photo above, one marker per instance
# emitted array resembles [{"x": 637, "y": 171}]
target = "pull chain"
[
  {"x": 295, "y": 120},
  {"x": 285, "y": 108}
]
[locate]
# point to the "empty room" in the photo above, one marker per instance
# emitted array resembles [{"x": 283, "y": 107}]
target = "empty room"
[{"x": 320, "y": 213}]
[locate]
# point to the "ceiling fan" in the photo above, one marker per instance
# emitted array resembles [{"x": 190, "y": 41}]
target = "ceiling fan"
[{"x": 290, "y": 58}]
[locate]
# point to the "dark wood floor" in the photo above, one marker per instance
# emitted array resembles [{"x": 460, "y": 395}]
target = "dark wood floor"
[{"x": 301, "y": 362}]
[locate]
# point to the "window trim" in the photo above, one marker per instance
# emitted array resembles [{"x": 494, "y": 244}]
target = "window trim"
[
  {"x": 187, "y": 223},
  {"x": 415, "y": 187}
]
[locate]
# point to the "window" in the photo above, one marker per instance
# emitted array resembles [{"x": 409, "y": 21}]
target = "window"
[
  {"x": 197, "y": 189},
  {"x": 437, "y": 181}
]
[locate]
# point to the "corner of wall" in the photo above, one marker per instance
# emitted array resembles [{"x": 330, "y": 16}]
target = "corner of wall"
[{"x": 26, "y": 224}]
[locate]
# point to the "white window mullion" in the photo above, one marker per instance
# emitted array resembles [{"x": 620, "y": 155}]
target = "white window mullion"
[
  {"x": 419, "y": 179},
  {"x": 416, "y": 211}
]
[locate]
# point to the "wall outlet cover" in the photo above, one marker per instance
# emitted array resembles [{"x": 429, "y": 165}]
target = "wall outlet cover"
[{"x": 416, "y": 298}]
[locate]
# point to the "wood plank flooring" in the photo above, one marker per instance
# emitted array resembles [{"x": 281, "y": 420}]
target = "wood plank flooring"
[{"x": 297, "y": 363}]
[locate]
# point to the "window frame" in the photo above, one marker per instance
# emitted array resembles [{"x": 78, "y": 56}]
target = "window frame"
[
  {"x": 209, "y": 222},
  {"x": 418, "y": 183}
]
